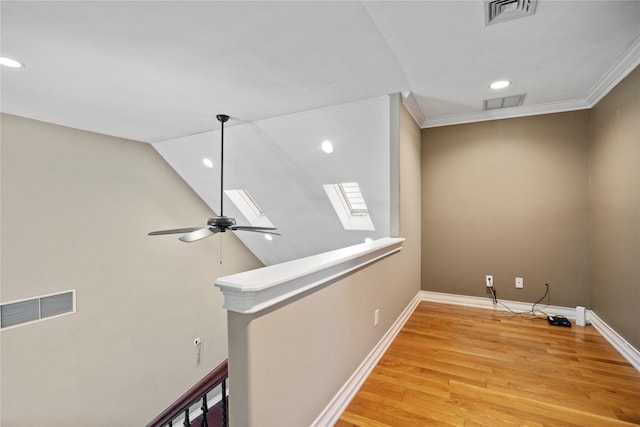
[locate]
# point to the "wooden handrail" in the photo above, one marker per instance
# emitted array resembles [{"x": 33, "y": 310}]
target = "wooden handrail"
[{"x": 208, "y": 383}]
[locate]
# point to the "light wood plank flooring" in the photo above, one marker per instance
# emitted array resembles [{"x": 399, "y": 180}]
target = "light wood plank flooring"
[{"x": 460, "y": 366}]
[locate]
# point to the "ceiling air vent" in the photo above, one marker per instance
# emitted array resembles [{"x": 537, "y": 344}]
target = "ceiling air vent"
[
  {"x": 505, "y": 10},
  {"x": 506, "y": 102}
]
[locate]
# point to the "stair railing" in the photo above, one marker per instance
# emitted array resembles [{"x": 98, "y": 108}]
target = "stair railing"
[{"x": 181, "y": 412}]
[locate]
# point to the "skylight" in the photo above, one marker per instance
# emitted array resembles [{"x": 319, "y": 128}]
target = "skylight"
[
  {"x": 248, "y": 207},
  {"x": 353, "y": 198},
  {"x": 349, "y": 204}
]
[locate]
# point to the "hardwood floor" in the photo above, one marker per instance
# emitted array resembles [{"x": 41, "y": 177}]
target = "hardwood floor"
[{"x": 460, "y": 366}]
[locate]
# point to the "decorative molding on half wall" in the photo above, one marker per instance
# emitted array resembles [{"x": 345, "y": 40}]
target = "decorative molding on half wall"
[
  {"x": 332, "y": 412},
  {"x": 256, "y": 290}
]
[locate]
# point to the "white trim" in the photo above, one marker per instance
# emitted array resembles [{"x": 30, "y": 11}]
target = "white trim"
[
  {"x": 255, "y": 290},
  {"x": 627, "y": 351},
  {"x": 482, "y": 302},
  {"x": 411, "y": 104},
  {"x": 507, "y": 113},
  {"x": 332, "y": 412},
  {"x": 621, "y": 69}
]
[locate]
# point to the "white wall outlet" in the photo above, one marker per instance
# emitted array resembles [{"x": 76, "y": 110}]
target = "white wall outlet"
[
  {"x": 376, "y": 317},
  {"x": 489, "y": 281},
  {"x": 519, "y": 282},
  {"x": 197, "y": 341}
]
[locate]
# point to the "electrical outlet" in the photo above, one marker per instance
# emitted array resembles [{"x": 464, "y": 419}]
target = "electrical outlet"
[
  {"x": 489, "y": 281},
  {"x": 519, "y": 282},
  {"x": 376, "y": 317}
]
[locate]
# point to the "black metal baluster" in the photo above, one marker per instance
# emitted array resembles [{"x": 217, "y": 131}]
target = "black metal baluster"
[
  {"x": 186, "y": 422},
  {"x": 224, "y": 403},
  {"x": 170, "y": 423},
  {"x": 205, "y": 409}
]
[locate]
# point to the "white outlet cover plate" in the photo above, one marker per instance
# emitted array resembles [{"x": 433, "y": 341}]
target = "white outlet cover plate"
[
  {"x": 519, "y": 282},
  {"x": 489, "y": 280}
]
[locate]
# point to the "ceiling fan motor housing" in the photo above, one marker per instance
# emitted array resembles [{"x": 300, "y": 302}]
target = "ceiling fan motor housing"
[{"x": 221, "y": 222}]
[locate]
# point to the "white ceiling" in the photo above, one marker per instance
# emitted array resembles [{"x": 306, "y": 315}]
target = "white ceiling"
[
  {"x": 291, "y": 74},
  {"x": 155, "y": 70},
  {"x": 281, "y": 163}
]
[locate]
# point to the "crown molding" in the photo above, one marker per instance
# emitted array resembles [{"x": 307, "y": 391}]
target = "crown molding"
[
  {"x": 507, "y": 113},
  {"x": 411, "y": 104},
  {"x": 621, "y": 69}
]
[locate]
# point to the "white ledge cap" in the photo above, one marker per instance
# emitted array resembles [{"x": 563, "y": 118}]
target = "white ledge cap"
[{"x": 255, "y": 290}]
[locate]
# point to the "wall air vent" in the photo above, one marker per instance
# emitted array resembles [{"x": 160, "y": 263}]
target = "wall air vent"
[
  {"x": 31, "y": 310},
  {"x": 505, "y": 10},
  {"x": 506, "y": 102}
]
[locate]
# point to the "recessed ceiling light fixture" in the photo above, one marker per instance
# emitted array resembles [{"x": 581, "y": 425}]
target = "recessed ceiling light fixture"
[
  {"x": 11, "y": 63},
  {"x": 500, "y": 84},
  {"x": 268, "y": 237},
  {"x": 327, "y": 147},
  {"x": 207, "y": 162},
  {"x": 368, "y": 240}
]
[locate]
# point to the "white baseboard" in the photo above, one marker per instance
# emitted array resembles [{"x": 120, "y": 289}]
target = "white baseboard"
[
  {"x": 627, "y": 351},
  {"x": 620, "y": 344},
  {"x": 485, "y": 302},
  {"x": 341, "y": 400},
  {"x": 330, "y": 415}
]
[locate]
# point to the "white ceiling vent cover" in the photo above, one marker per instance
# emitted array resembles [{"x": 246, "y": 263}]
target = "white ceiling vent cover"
[
  {"x": 506, "y": 102},
  {"x": 505, "y": 10}
]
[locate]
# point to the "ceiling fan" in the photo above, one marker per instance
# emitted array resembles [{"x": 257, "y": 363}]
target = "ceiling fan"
[{"x": 219, "y": 224}]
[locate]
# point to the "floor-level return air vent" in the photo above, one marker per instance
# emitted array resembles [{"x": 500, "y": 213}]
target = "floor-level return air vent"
[
  {"x": 506, "y": 102},
  {"x": 505, "y": 10},
  {"x": 31, "y": 310}
]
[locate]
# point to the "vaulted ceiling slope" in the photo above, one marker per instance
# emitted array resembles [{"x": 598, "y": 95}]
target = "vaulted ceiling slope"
[
  {"x": 158, "y": 70},
  {"x": 291, "y": 74},
  {"x": 281, "y": 163}
]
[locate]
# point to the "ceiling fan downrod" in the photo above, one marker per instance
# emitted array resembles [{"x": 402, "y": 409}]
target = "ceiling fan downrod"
[{"x": 222, "y": 118}]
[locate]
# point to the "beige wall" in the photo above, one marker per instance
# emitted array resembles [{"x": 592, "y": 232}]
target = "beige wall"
[
  {"x": 615, "y": 208},
  {"x": 287, "y": 364},
  {"x": 76, "y": 208},
  {"x": 508, "y": 198}
]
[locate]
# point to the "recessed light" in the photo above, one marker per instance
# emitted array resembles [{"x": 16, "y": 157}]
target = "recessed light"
[
  {"x": 500, "y": 84},
  {"x": 327, "y": 147},
  {"x": 11, "y": 63},
  {"x": 368, "y": 240},
  {"x": 268, "y": 237},
  {"x": 207, "y": 162}
]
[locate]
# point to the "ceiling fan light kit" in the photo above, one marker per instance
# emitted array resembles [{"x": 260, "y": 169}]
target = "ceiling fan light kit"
[{"x": 219, "y": 224}]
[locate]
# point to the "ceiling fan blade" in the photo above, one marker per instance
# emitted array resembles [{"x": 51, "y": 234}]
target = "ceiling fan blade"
[
  {"x": 174, "y": 231},
  {"x": 198, "y": 234},
  {"x": 266, "y": 230}
]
